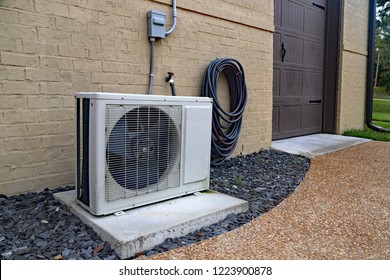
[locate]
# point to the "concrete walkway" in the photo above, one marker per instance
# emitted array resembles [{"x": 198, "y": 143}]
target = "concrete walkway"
[
  {"x": 316, "y": 144},
  {"x": 340, "y": 211}
]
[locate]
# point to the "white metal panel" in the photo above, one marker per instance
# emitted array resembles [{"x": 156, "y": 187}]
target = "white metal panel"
[
  {"x": 117, "y": 97},
  {"x": 197, "y": 143}
]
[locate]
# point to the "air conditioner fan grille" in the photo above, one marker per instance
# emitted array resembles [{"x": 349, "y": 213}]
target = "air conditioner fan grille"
[{"x": 142, "y": 149}]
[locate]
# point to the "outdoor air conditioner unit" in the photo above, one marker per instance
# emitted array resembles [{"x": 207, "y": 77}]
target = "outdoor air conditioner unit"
[{"x": 133, "y": 150}]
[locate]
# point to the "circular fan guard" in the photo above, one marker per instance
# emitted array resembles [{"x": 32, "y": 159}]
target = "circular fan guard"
[{"x": 141, "y": 147}]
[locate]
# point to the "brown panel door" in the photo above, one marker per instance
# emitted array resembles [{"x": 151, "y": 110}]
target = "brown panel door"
[{"x": 299, "y": 41}]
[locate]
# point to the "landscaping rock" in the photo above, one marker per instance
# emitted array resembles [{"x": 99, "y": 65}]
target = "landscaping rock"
[{"x": 36, "y": 226}]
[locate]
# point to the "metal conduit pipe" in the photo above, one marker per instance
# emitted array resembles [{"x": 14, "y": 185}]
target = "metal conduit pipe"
[
  {"x": 152, "y": 40},
  {"x": 174, "y": 16},
  {"x": 370, "y": 68},
  {"x": 151, "y": 73}
]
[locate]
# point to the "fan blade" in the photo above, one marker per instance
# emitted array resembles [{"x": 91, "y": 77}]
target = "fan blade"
[{"x": 116, "y": 143}]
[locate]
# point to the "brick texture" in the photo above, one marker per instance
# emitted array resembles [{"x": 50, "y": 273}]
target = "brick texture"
[
  {"x": 49, "y": 50},
  {"x": 352, "y": 76}
]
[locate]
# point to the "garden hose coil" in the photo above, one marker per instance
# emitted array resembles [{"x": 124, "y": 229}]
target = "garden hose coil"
[{"x": 226, "y": 125}]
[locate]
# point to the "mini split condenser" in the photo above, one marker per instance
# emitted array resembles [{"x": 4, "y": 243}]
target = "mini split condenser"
[{"x": 133, "y": 150}]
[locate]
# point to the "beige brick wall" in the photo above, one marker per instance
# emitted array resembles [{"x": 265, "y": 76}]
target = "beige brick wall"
[
  {"x": 50, "y": 50},
  {"x": 352, "y": 82}
]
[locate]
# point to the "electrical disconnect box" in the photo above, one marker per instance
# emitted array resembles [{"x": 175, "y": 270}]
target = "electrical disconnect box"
[{"x": 156, "y": 24}]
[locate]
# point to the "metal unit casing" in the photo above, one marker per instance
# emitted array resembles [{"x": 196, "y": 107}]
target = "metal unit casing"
[{"x": 129, "y": 131}]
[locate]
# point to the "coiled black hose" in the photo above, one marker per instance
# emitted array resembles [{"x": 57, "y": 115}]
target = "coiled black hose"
[{"x": 225, "y": 125}]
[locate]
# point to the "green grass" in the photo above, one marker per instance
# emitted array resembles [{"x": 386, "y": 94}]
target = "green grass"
[
  {"x": 381, "y": 105},
  {"x": 369, "y": 134},
  {"x": 382, "y": 124},
  {"x": 381, "y": 117},
  {"x": 381, "y": 110},
  {"x": 380, "y": 92},
  {"x": 378, "y": 116}
]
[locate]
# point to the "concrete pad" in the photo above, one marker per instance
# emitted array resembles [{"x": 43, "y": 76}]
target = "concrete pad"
[
  {"x": 316, "y": 144},
  {"x": 144, "y": 227}
]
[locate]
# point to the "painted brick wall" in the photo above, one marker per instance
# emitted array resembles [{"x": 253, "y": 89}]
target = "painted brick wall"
[
  {"x": 49, "y": 50},
  {"x": 352, "y": 87}
]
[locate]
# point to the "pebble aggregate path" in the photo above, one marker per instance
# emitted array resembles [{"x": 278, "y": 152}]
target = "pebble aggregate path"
[{"x": 340, "y": 211}]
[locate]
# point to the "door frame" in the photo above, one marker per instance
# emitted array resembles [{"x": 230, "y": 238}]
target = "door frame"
[{"x": 331, "y": 67}]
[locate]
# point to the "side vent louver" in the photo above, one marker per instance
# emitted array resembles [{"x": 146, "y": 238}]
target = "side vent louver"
[{"x": 82, "y": 152}]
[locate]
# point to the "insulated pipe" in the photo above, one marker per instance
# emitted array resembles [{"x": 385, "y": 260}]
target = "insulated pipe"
[
  {"x": 174, "y": 16},
  {"x": 173, "y": 90},
  {"x": 171, "y": 82},
  {"x": 370, "y": 68}
]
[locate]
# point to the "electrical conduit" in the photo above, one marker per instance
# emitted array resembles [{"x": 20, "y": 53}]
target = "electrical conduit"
[{"x": 152, "y": 40}]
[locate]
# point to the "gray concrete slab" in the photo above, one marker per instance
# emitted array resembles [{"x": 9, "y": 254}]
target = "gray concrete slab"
[
  {"x": 142, "y": 228},
  {"x": 316, "y": 144}
]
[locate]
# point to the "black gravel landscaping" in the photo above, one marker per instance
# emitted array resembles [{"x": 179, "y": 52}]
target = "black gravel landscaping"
[{"x": 36, "y": 226}]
